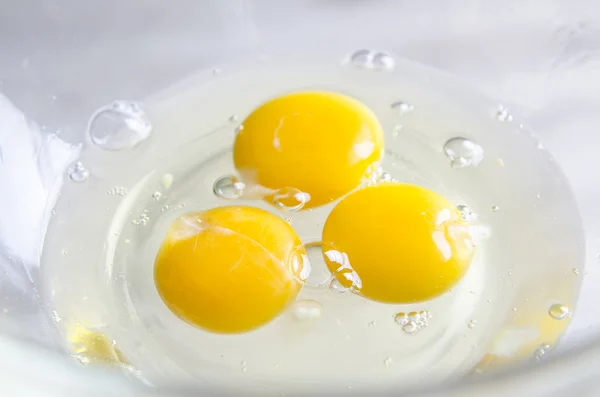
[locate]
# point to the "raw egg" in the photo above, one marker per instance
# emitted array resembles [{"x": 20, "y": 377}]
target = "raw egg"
[
  {"x": 229, "y": 269},
  {"x": 321, "y": 143},
  {"x": 397, "y": 243}
]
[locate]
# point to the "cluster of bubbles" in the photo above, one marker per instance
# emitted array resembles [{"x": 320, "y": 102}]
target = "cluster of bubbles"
[
  {"x": 120, "y": 191},
  {"x": 344, "y": 271},
  {"x": 541, "y": 351},
  {"x": 78, "y": 173},
  {"x": 412, "y": 322},
  {"x": 142, "y": 221},
  {"x": 374, "y": 60},
  {"x": 230, "y": 187}
]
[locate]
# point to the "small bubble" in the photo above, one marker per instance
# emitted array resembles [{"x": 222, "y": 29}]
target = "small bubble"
[
  {"x": 387, "y": 362},
  {"x": 142, "y": 221},
  {"x": 156, "y": 195},
  {"x": 500, "y": 162},
  {"x": 372, "y": 324},
  {"x": 228, "y": 187},
  {"x": 238, "y": 129},
  {"x": 502, "y": 114},
  {"x": 383, "y": 61},
  {"x": 167, "y": 181},
  {"x": 402, "y": 107},
  {"x": 127, "y": 241},
  {"x": 233, "y": 118},
  {"x": 540, "y": 146},
  {"x": 463, "y": 152},
  {"x": 559, "y": 311},
  {"x": 472, "y": 324},
  {"x": 55, "y": 317},
  {"x": 121, "y": 125},
  {"x": 514, "y": 309},
  {"x": 401, "y": 318},
  {"x": 541, "y": 351},
  {"x": 117, "y": 191},
  {"x": 410, "y": 327},
  {"x": 217, "y": 72},
  {"x": 465, "y": 212},
  {"x": 495, "y": 208},
  {"x": 362, "y": 58},
  {"x": 307, "y": 310},
  {"x": 290, "y": 199},
  {"x": 576, "y": 271},
  {"x": 78, "y": 173},
  {"x": 336, "y": 286}
]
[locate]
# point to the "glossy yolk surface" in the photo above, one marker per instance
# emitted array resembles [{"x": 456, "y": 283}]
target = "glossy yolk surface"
[
  {"x": 229, "y": 269},
  {"x": 321, "y": 143},
  {"x": 406, "y": 243}
]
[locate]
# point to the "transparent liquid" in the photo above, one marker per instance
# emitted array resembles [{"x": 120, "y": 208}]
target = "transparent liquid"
[{"x": 101, "y": 245}]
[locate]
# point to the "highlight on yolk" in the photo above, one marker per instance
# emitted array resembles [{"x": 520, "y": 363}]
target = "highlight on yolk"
[
  {"x": 321, "y": 143},
  {"x": 229, "y": 269},
  {"x": 397, "y": 243}
]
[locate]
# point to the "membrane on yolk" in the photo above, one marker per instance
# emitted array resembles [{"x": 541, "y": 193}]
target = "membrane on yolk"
[
  {"x": 321, "y": 143},
  {"x": 399, "y": 243},
  {"x": 229, "y": 269}
]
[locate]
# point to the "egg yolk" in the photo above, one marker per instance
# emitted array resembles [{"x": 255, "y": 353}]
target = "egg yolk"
[
  {"x": 229, "y": 269},
  {"x": 397, "y": 243},
  {"x": 320, "y": 143}
]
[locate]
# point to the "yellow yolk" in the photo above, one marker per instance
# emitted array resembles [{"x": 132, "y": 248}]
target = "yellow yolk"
[
  {"x": 320, "y": 143},
  {"x": 397, "y": 243},
  {"x": 229, "y": 269}
]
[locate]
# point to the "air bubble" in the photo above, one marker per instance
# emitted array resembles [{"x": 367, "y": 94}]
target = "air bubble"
[
  {"x": 495, "y": 208},
  {"x": 319, "y": 275},
  {"x": 117, "y": 191},
  {"x": 387, "y": 362},
  {"x": 78, "y": 173},
  {"x": 121, "y": 125},
  {"x": 413, "y": 321},
  {"x": 375, "y": 60},
  {"x": 361, "y": 58},
  {"x": 156, "y": 195},
  {"x": 559, "y": 311},
  {"x": 238, "y": 129},
  {"x": 472, "y": 324},
  {"x": 383, "y": 61},
  {"x": 343, "y": 271},
  {"x": 233, "y": 118},
  {"x": 55, "y": 317},
  {"x": 576, "y": 271},
  {"x": 307, "y": 310},
  {"x": 228, "y": 187},
  {"x": 465, "y": 212},
  {"x": 502, "y": 114},
  {"x": 410, "y": 327},
  {"x": 336, "y": 286},
  {"x": 541, "y": 351},
  {"x": 290, "y": 199},
  {"x": 402, "y": 107},
  {"x": 463, "y": 152}
]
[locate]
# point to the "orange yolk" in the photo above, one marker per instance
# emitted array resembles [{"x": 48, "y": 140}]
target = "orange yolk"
[
  {"x": 229, "y": 269},
  {"x": 320, "y": 143},
  {"x": 397, "y": 243}
]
